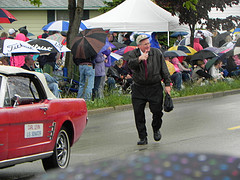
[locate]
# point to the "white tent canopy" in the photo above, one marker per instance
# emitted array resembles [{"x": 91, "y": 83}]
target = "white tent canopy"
[{"x": 137, "y": 15}]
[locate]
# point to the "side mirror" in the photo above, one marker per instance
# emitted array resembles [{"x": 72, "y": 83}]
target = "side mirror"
[{"x": 16, "y": 100}]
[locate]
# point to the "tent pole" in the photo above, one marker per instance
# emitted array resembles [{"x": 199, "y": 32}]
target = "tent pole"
[{"x": 168, "y": 38}]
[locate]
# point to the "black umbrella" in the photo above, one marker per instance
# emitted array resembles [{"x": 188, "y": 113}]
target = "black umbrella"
[
  {"x": 88, "y": 43},
  {"x": 48, "y": 46},
  {"x": 203, "y": 54},
  {"x": 154, "y": 165},
  {"x": 117, "y": 45},
  {"x": 219, "y": 40}
]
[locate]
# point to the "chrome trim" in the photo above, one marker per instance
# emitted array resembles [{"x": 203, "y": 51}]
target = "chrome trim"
[
  {"x": 52, "y": 131},
  {"x": 13, "y": 161}
]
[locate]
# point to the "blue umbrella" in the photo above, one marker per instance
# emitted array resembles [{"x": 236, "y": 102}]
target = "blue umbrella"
[
  {"x": 56, "y": 26},
  {"x": 180, "y": 33}
]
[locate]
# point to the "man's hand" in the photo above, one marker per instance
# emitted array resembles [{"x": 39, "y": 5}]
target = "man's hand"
[
  {"x": 168, "y": 89},
  {"x": 143, "y": 57}
]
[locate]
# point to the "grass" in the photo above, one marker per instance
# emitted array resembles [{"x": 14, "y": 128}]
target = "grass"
[{"x": 115, "y": 98}]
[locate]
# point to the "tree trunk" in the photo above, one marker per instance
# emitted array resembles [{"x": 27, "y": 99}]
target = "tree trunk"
[
  {"x": 75, "y": 8},
  {"x": 192, "y": 30}
]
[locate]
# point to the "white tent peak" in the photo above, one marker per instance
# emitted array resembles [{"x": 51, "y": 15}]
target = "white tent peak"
[{"x": 137, "y": 15}]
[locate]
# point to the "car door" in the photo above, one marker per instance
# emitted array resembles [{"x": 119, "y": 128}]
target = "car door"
[
  {"x": 29, "y": 130},
  {"x": 3, "y": 121}
]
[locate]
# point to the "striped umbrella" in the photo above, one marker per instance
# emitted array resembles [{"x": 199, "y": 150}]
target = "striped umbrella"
[
  {"x": 6, "y": 16},
  {"x": 61, "y": 26},
  {"x": 88, "y": 43},
  {"x": 187, "y": 49}
]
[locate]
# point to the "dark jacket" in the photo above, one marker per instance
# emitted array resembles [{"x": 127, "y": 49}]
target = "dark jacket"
[
  {"x": 27, "y": 68},
  {"x": 157, "y": 68}
]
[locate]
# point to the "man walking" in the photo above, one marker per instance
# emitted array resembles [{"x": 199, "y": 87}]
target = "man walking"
[{"x": 149, "y": 69}]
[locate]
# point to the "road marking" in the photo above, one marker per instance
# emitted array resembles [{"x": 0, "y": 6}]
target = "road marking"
[{"x": 233, "y": 128}]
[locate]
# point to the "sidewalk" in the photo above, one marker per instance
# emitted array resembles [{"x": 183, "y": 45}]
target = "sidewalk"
[{"x": 175, "y": 100}]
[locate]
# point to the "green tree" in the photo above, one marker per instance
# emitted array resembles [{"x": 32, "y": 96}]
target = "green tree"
[
  {"x": 110, "y": 5},
  {"x": 188, "y": 14}
]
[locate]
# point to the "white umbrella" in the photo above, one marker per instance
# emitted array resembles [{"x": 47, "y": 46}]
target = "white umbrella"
[{"x": 12, "y": 47}]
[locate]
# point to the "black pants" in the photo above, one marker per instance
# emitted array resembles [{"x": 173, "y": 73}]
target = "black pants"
[{"x": 140, "y": 96}]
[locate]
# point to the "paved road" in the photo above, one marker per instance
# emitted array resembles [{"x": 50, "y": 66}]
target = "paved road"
[{"x": 210, "y": 125}]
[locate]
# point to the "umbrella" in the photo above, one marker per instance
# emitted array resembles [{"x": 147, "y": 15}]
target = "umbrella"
[
  {"x": 220, "y": 39},
  {"x": 206, "y": 33},
  {"x": 48, "y": 46},
  {"x": 115, "y": 57},
  {"x": 203, "y": 54},
  {"x": 236, "y": 49},
  {"x": 61, "y": 26},
  {"x": 154, "y": 166},
  {"x": 88, "y": 43},
  {"x": 117, "y": 45},
  {"x": 174, "y": 53},
  {"x": 211, "y": 62},
  {"x": 180, "y": 33},
  {"x": 187, "y": 49},
  {"x": 57, "y": 37},
  {"x": 237, "y": 29},
  {"x": 56, "y": 26},
  {"x": 125, "y": 50},
  {"x": 12, "y": 47},
  {"x": 213, "y": 49},
  {"x": 30, "y": 34},
  {"x": 6, "y": 16}
]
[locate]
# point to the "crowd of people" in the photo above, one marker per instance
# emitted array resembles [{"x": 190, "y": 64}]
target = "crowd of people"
[
  {"x": 33, "y": 62},
  {"x": 220, "y": 68},
  {"x": 98, "y": 73}
]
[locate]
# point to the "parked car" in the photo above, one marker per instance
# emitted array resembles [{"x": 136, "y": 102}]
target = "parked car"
[{"x": 34, "y": 124}]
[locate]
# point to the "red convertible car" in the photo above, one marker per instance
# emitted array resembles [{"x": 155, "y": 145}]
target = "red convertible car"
[{"x": 34, "y": 124}]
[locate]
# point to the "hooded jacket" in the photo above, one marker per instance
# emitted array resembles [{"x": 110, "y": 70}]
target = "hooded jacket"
[{"x": 156, "y": 66}]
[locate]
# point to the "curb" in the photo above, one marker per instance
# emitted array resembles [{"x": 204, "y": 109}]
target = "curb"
[{"x": 175, "y": 100}]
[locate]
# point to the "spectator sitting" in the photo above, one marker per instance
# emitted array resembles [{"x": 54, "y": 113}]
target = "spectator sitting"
[
  {"x": 51, "y": 81},
  {"x": 44, "y": 35},
  {"x": 125, "y": 77},
  {"x": 180, "y": 68},
  {"x": 199, "y": 74},
  {"x": 232, "y": 68},
  {"x": 126, "y": 39},
  {"x": 4, "y": 36},
  {"x": 215, "y": 70},
  {"x": 4, "y": 61},
  {"x": 12, "y": 33},
  {"x": 176, "y": 77}
]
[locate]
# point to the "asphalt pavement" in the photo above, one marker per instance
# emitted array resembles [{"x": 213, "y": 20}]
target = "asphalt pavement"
[{"x": 175, "y": 100}]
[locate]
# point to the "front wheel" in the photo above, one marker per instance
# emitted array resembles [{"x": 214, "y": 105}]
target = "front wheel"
[{"x": 61, "y": 154}]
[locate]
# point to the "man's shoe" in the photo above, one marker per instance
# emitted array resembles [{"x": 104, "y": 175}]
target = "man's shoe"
[
  {"x": 142, "y": 141},
  {"x": 157, "y": 136}
]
